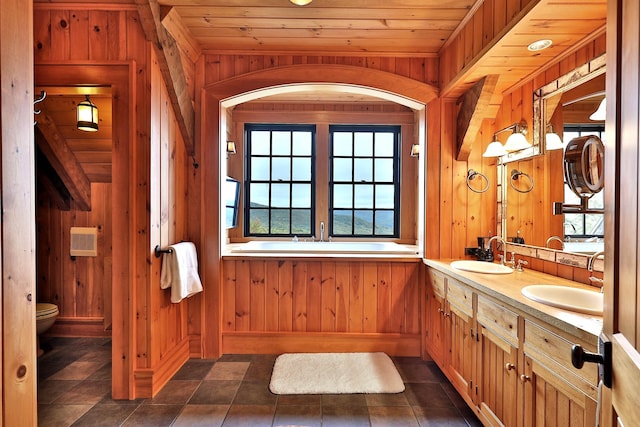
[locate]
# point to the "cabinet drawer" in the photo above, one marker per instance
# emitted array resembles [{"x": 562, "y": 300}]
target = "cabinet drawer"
[
  {"x": 542, "y": 344},
  {"x": 437, "y": 283},
  {"x": 498, "y": 319},
  {"x": 460, "y": 296}
]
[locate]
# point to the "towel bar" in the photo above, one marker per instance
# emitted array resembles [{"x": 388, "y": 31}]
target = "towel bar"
[{"x": 159, "y": 251}]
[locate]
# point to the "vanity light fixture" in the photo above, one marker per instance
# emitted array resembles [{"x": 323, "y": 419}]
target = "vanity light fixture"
[
  {"x": 539, "y": 45},
  {"x": 601, "y": 113},
  {"x": 516, "y": 141},
  {"x": 87, "y": 115},
  {"x": 301, "y": 2},
  {"x": 415, "y": 150},
  {"x": 231, "y": 148},
  {"x": 552, "y": 140}
]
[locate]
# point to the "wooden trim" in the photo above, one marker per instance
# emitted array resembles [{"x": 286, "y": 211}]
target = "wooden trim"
[
  {"x": 148, "y": 382},
  {"x": 78, "y": 327},
  {"x": 405, "y": 345}
]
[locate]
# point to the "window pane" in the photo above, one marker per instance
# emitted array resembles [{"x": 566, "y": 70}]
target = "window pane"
[
  {"x": 363, "y": 222},
  {"x": 301, "y": 143},
  {"x": 384, "y": 144},
  {"x": 576, "y": 220},
  {"x": 384, "y": 222},
  {"x": 301, "y": 169},
  {"x": 259, "y": 195},
  {"x": 260, "y": 169},
  {"x": 363, "y": 142},
  {"x": 301, "y": 196},
  {"x": 280, "y": 221},
  {"x": 384, "y": 170},
  {"x": 385, "y": 197},
  {"x": 281, "y": 169},
  {"x": 342, "y": 145},
  {"x": 342, "y": 222},
  {"x": 301, "y": 221},
  {"x": 363, "y": 170},
  {"x": 342, "y": 170},
  {"x": 281, "y": 143},
  {"x": 259, "y": 221},
  {"x": 364, "y": 196},
  {"x": 280, "y": 196},
  {"x": 260, "y": 143},
  {"x": 342, "y": 196},
  {"x": 594, "y": 224}
]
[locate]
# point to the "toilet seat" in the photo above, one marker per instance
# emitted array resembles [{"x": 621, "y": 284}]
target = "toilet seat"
[{"x": 45, "y": 310}]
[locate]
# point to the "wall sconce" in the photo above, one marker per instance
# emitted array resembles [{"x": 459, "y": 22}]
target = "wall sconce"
[
  {"x": 601, "y": 112},
  {"x": 516, "y": 141},
  {"x": 231, "y": 148},
  {"x": 87, "y": 115},
  {"x": 415, "y": 150},
  {"x": 552, "y": 140}
]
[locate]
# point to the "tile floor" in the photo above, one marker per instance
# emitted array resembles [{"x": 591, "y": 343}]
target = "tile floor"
[{"x": 75, "y": 383}]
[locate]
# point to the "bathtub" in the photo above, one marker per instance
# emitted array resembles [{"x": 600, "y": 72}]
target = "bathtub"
[{"x": 325, "y": 248}]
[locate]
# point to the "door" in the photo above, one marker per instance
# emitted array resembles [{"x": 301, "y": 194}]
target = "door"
[{"x": 622, "y": 219}]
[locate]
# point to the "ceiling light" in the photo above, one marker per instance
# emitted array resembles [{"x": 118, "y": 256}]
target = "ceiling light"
[
  {"x": 539, "y": 45},
  {"x": 87, "y": 115},
  {"x": 301, "y": 2},
  {"x": 601, "y": 112}
]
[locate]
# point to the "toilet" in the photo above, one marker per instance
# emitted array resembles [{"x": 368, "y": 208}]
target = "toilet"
[{"x": 45, "y": 318}]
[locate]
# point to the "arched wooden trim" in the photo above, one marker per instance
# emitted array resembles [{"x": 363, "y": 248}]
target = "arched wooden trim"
[{"x": 350, "y": 78}]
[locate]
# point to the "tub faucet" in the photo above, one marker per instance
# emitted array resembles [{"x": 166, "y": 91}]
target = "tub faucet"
[
  {"x": 322, "y": 231},
  {"x": 504, "y": 247},
  {"x": 552, "y": 238},
  {"x": 592, "y": 260}
]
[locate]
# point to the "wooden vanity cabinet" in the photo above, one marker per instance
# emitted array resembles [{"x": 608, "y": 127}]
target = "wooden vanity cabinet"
[
  {"x": 511, "y": 369},
  {"x": 555, "y": 393}
]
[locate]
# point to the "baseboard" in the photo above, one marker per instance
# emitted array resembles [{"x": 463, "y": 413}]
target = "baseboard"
[
  {"x": 308, "y": 342},
  {"x": 78, "y": 327},
  {"x": 149, "y": 381}
]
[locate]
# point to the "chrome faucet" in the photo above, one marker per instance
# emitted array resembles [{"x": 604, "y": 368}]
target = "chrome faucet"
[
  {"x": 322, "y": 231},
  {"x": 504, "y": 247},
  {"x": 552, "y": 238},
  {"x": 592, "y": 260}
]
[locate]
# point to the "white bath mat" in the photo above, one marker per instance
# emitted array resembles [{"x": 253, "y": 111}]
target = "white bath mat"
[{"x": 335, "y": 373}]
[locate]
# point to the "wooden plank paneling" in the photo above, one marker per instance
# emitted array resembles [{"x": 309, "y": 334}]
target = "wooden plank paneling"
[{"x": 371, "y": 297}]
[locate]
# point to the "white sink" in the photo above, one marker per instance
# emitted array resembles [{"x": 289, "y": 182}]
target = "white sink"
[
  {"x": 574, "y": 299},
  {"x": 481, "y": 267}
]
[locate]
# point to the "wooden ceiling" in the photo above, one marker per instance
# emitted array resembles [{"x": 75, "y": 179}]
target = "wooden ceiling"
[{"x": 324, "y": 27}]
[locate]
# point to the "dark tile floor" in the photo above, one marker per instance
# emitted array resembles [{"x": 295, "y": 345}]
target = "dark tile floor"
[{"x": 75, "y": 383}]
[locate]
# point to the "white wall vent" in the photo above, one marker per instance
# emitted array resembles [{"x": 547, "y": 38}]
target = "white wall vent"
[{"x": 84, "y": 241}]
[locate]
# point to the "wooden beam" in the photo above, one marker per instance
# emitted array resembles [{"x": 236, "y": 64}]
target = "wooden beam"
[
  {"x": 50, "y": 183},
  {"x": 175, "y": 26},
  {"x": 171, "y": 68},
  {"x": 474, "y": 109},
  {"x": 64, "y": 162}
]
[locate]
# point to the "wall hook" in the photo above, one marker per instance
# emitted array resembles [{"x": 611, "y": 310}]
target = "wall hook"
[{"x": 43, "y": 95}]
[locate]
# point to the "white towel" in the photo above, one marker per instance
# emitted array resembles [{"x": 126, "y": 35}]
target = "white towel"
[{"x": 180, "y": 271}]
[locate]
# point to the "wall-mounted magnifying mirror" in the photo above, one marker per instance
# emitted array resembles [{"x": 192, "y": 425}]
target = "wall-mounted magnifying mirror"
[{"x": 571, "y": 209}]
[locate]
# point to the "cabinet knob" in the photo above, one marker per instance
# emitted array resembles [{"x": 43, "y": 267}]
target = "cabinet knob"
[
  {"x": 524, "y": 378},
  {"x": 509, "y": 366}
]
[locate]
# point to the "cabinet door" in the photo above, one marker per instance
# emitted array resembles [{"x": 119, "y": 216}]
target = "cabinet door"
[
  {"x": 552, "y": 400},
  {"x": 461, "y": 359},
  {"x": 435, "y": 317},
  {"x": 498, "y": 385}
]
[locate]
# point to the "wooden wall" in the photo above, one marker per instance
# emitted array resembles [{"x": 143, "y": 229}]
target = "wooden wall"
[
  {"x": 276, "y": 306},
  {"x": 18, "y": 369},
  {"x": 148, "y": 191},
  {"x": 79, "y": 286}
]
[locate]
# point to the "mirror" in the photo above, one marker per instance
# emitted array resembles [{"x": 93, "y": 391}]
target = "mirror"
[{"x": 538, "y": 204}]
